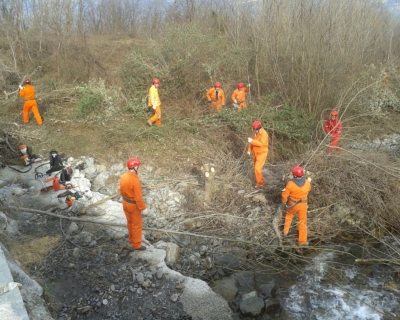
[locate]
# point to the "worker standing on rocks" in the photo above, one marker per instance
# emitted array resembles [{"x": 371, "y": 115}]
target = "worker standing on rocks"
[
  {"x": 239, "y": 96},
  {"x": 294, "y": 199},
  {"x": 154, "y": 103},
  {"x": 258, "y": 145},
  {"x": 28, "y": 93},
  {"x": 333, "y": 127},
  {"x": 216, "y": 97},
  {"x": 132, "y": 202}
]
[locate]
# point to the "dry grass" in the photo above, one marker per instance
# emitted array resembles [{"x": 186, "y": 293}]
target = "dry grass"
[{"x": 33, "y": 251}]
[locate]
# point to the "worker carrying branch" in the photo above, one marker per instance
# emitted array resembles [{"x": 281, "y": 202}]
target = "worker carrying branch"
[
  {"x": 216, "y": 97},
  {"x": 294, "y": 200},
  {"x": 258, "y": 146},
  {"x": 239, "y": 96},
  {"x": 333, "y": 127},
  {"x": 30, "y": 104},
  {"x": 154, "y": 103}
]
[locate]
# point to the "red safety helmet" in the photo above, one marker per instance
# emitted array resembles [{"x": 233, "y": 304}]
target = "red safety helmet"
[
  {"x": 334, "y": 113},
  {"x": 132, "y": 162},
  {"x": 156, "y": 81},
  {"x": 217, "y": 85},
  {"x": 28, "y": 81},
  {"x": 256, "y": 125},
  {"x": 298, "y": 171},
  {"x": 240, "y": 85}
]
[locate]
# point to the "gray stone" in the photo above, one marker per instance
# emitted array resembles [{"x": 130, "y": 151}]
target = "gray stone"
[
  {"x": 272, "y": 306},
  {"x": 252, "y": 307},
  {"x": 226, "y": 288},
  {"x": 268, "y": 290}
]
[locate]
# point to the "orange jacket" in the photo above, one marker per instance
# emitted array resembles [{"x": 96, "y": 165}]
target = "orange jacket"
[
  {"x": 259, "y": 144},
  {"x": 131, "y": 188},
  {"x": 212, "y": 96},
  {"x": 239, "y": 95},
  {"x": 296, "y": 189},
  {"x": 28, "y": 92},
  {"x": 333, "y": 127},
  {"x": 153, "y": 98}
]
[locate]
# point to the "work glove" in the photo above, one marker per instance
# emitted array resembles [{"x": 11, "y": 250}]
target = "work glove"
[
  {"x": 249, "y": 140},
  {"x": 20, "y": 87},
  {"x": 248, "y": 85},
  {"x": 249, "y": 153},
  {"x": 309, "y": 179},
  {"x": 283, "y": 206},
  {"x": 235, "y": 101},
  {"x": 154, "y": 107}
]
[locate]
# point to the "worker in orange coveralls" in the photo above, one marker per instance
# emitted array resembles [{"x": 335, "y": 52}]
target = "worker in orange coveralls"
[
  {"x": 333, "y": 127},
  {"x": 28, "y": 93},
  {"x": 259, "y": 146},
  {"x": 133, "y": 204},
  {"x": 154, "y": 103},
  {"x": 239, "y": 96},
  {"x": 294, "y": 198},
  {"x": 216, "y": 97}
]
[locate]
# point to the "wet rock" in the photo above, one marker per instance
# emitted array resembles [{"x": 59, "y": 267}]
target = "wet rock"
[
  {"x": 72, "y": 229},
  {"x": 228, "y": 262},
  {"x": 226, "y": 288},
  {"x": 252, "y": 307},
  {"x": 272, "y": 306},
  {"x": 268, "y": 290}
]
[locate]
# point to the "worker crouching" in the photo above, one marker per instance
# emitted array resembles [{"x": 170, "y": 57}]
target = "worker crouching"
[
  {"x": 132, "y": 202},
  {"x": 294, "y": 198}
]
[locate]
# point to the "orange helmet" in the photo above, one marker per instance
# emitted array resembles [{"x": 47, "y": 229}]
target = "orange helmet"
[
  {"x": 28, "y": 81},
  {"x": 156, "y": 81},
  {"x": 298, "y": 171},
  {"x": 240, "y": 85},
  {"x": 217, "y": 85},
  {"x": 334, "y": 113},
  {"x": 256, "y": 125},
  {"x": 132, "y": 162}
]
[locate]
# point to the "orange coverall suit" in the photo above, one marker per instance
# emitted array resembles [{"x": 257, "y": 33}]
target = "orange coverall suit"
[
  {"x": 154, "y": 100},
  {"x": 217, "y": 98},
  {"x": 334, "y": 127},
  {"x": 240, "y": 96},
  {"x": 28, "y": 93},
  {"x": 131, "y": 189},
  {"x": 259, "y": 146},
  {"x": 295, "y": 197}
]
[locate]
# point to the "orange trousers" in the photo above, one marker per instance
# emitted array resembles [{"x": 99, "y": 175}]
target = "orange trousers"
[
  {"x": 28, "y": 106},
  {"x": 157, "y": 116},
  {"x": 301, "y": 210},
  {"x": 259, "y": 161},
  {"x": 134, "y": 223},
  {"x": 333, "y": 146}
]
